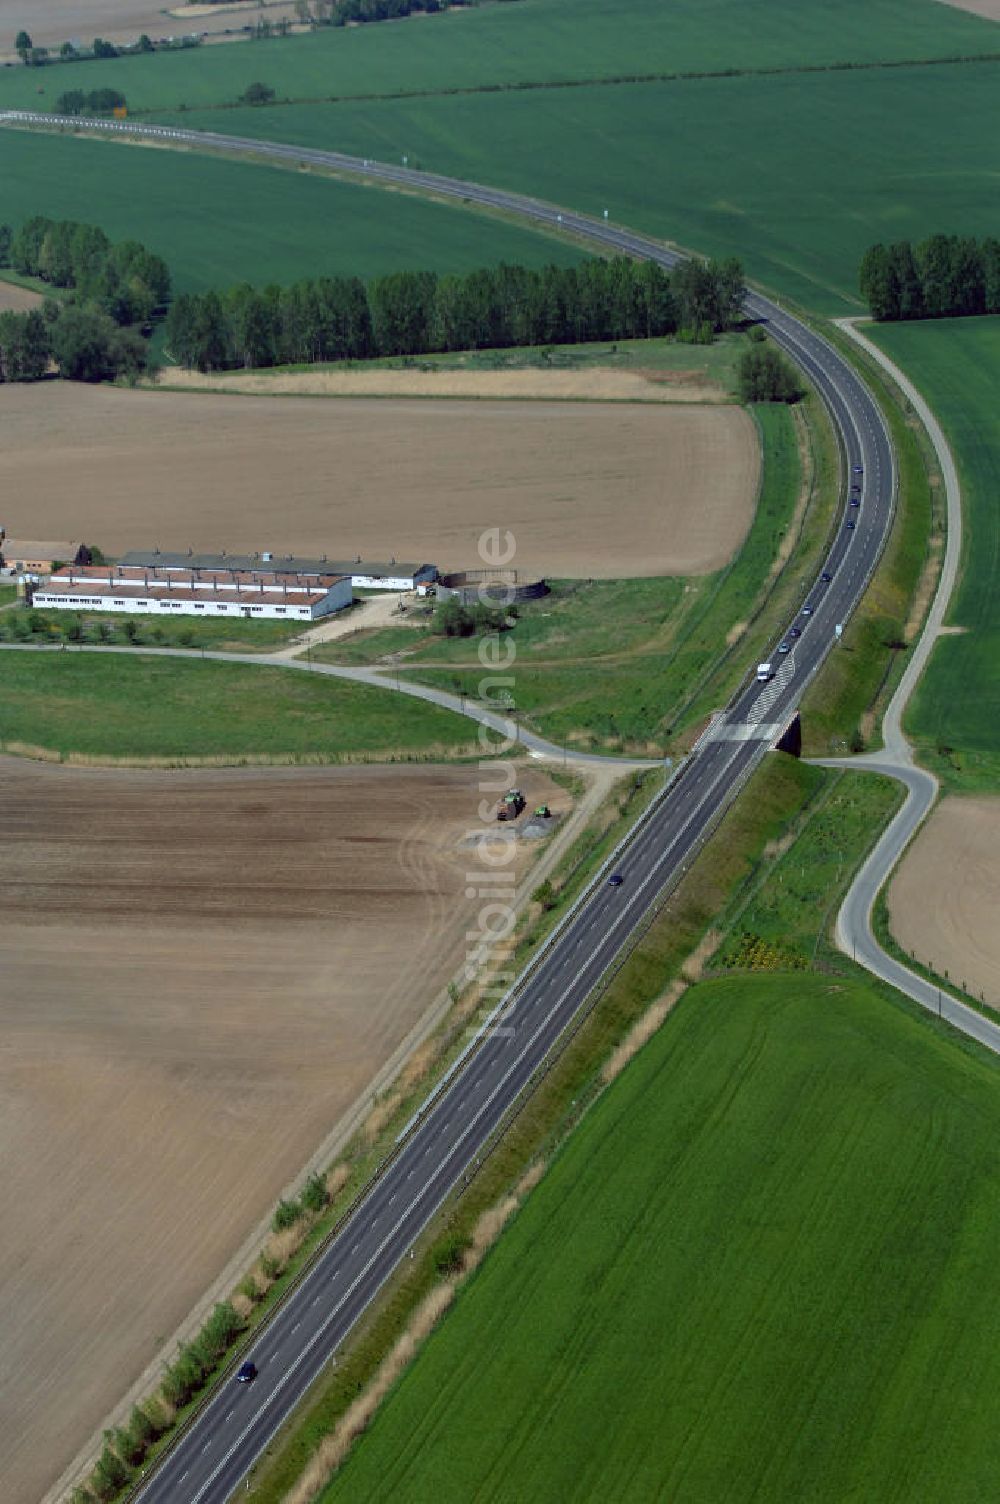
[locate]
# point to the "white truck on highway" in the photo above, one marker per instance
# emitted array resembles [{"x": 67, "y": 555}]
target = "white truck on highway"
[{"x": 764, "y": 672}]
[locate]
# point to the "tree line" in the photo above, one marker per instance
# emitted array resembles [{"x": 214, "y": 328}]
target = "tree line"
[
  {"x": 115, "y": 290},
  {"x": 126, "y": 280},
  {"x": 96, "y": 102},
  {"x": 415, "y": 313},
  {"x": 945, "y": 276}
]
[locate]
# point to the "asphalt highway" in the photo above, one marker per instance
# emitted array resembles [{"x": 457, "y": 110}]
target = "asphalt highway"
[{"x": 214, "y": 1455}]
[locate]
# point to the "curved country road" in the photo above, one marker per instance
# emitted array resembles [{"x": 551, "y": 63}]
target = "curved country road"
[{"x": 854, "y": 933}]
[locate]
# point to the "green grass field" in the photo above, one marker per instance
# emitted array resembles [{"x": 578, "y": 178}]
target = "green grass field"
[
  {"x": 534, "y": 41},
  {"x": 624, "y": 664},
  {"x": 795, "y": 171},
  {"x": 747, "y": 1276},
  {"x": 220, "y": 222},
  {"x": 709, "y": 164},
  {"x": 955, "y": 714},
  {"x": 103, "y": 708}
]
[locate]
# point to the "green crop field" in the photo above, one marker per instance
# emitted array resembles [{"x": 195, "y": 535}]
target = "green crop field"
[
  {"x": 219, "y": 222},
  {"x": 100, "y": 708},
  {"x": 956, "y": 712},
  {"x": 532, "y": 42},
  {"x": 796, "y": 174},
  {"x": 748, "y": 1275},
  {"x": 796, "y": 170},
  {"x": 619, "y": 663}
]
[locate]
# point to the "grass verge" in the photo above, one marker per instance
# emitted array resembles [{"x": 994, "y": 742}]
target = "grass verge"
[
  {"x": 842, "y": 708},
  {"x": 115, "y": 708}
]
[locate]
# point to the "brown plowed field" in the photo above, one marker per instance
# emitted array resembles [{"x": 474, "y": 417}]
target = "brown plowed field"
[
  {"x": 943, "y": 898},
  {"x": 201, "y": 972},
  {"x": 52, "y": 22},
  {"x": 588, "y": 489}
]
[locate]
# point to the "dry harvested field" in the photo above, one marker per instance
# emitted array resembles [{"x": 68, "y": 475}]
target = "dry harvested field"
[
  {"x": 588, "y": 489},
  {"x": 943, "y": 899},
  {"x": 590, "y": 384},
  {"x": 55, "y": 21},
  {"x": 201, "y": 973},
  {"x": 17, "y": 299},
  {"x": 988, "y": 9}
]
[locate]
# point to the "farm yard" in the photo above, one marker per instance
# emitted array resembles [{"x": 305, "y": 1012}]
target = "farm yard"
[
  {"x": 201, "y": 975},
  {"x": 587, "y": 489},
  {"x": 760, "y": 1240}
]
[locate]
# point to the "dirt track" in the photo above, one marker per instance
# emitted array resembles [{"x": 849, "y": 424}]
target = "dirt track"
[
  {"x": 942, "y": 901},
  {"x": 16, "y": 299},
  {"x": 201, "y": 972},
  {"x": 603, "y": 489}
]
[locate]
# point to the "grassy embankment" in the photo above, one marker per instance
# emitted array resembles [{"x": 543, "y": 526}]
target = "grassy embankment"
[
  {"x": 87, "y": 707},
  {"x": 632, "y": 664},
  {"x": 954, "y": 715},
  {"x": 845, "y": 704}
]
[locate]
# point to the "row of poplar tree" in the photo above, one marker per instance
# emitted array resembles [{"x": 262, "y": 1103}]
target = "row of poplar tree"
[
  {"x": 946, "y": 276},
  {"x": 413, "y": 313}
]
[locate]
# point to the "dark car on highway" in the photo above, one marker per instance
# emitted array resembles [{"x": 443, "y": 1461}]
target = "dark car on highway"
[
  {"x": 851, "y": 525},
  {"x": 615, "y": 880},
  {"x": 247, "y": 1373},
  {"x": 826, "y": 577}
]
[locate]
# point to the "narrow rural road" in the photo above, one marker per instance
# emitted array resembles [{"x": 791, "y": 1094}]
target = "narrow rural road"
[{"x": 854, "y": 933}]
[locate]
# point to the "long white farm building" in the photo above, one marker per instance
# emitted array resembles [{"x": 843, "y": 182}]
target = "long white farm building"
[
  {"x": 366, "y": 574},
  {"x": 254, "y": 594}
]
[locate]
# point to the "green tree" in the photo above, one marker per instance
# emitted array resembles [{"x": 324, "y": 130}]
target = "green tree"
[
  {"x": 286, "y": 1214},
  {"x": 766, "y": 376},
  {"x": 6, "y": 237},
  {"x": 315, "y": 1195},
  {"x": 23, "y": 46},
  {"x": 257, "y": 93}
]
